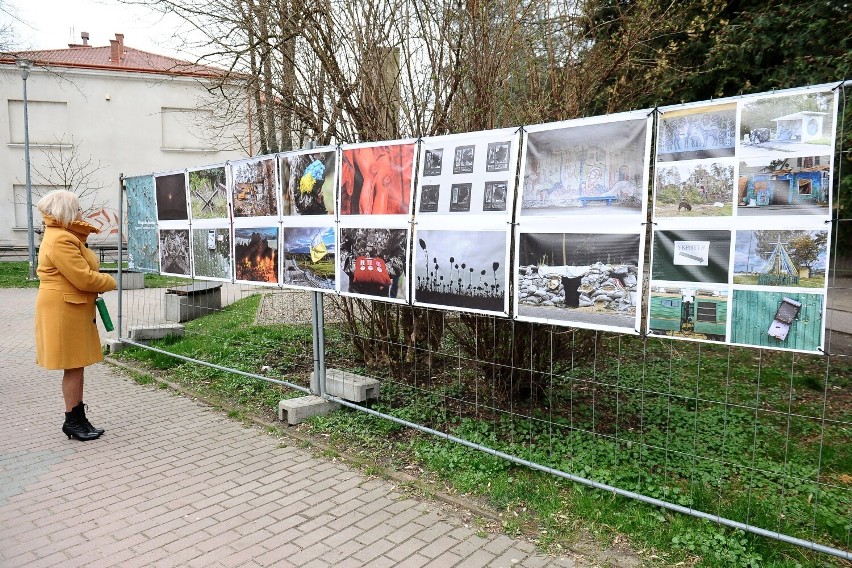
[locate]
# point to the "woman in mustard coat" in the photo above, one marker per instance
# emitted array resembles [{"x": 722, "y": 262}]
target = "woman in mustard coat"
[{"x": 65, "y": 329}]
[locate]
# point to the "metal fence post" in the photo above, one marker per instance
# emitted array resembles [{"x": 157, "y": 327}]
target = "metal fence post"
[{"x": 120, "y": 242}]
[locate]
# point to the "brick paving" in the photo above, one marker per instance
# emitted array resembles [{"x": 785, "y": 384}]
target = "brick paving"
[{"x": 175, "y": 483}]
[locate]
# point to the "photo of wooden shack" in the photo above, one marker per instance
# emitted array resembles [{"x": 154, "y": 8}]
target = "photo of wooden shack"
[{"x": 793, "y": 185}]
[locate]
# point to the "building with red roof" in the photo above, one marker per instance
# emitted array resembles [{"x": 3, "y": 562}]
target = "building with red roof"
[{"x": 97, "y": 112}]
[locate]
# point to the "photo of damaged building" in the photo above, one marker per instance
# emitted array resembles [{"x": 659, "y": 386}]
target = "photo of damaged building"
[{"x": 787, "y": 186}]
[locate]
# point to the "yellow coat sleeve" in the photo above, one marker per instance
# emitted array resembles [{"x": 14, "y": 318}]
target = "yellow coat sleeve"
[{"x": 69, "y": 260}]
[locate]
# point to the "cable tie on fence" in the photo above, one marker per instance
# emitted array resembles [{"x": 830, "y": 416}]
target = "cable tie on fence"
[
  {"x": 840, "y": 85},
  {"x": 653, "y": 110},
  {"x": 824, "y": 352},
  {"x": 648, "y": 223},
  {"x": 519, "y": 129}
]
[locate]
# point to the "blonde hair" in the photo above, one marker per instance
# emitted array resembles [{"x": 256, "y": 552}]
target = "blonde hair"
[{"x": 60, "y": 204}]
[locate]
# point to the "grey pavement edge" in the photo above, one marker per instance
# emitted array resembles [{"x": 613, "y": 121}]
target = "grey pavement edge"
[{"x": 174, "y": 483}]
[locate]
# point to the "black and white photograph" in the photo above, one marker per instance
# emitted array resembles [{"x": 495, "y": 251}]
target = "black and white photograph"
[
  {"x": 580, "y": 279},
  {"x": 494, "y": 198},
  {"x": 429, "y": 196},
  {"x": 171, "y": 197},
  {"x": 432, "y": 161},
  {"x": 497, "y": 159},
  {"x": 586, "y": 168},
  {"x": 461, "y": 269},
  {"x": 460, "y": 197},
  {"x": 174, "y": 252},
  {"x": 373, "y": 262},
  {"x": 691, "y": 256},
  {"x": 464, "y": 157}
]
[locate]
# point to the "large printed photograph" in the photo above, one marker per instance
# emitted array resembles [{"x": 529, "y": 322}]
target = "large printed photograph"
[
  {"x": 694, "y": 189},
  {"x": 376, "y": 180},
  {"x": 373, "y": 262},
  {"x": 174, "y": 252},
  {"x": 211, "y": 253},
  {"x": 208, "y": 193},
  {"x": 256, "y": 254},
  {"x": 461, "y": 269},
  {"x": 691, "y": 256},
  {"x": 171, "y": 197},
  {"x": 784, "y": 186},
  {"x": 697, "y": 133},
  {"x": 307, "y": 181},
  {"x": 786, "y": 258},
  {"x": 689, "y": 312},
  {"x": 778, "y": 320},
  {"x": 308, "y": 256},
  {"x": 254, "y": 192},
  {"x": 142, "y": 241},
  {"x": 800, "y": 124},
  {"x": 579, "y": 278},
  {"x": 595, "y": 169}
]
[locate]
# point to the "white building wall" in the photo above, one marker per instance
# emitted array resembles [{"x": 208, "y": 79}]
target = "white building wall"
[{"x": 103, "y": 123}]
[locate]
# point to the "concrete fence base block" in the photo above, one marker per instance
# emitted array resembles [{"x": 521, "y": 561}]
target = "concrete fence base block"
[
  {"x": 114, "y": 345},
  {"x": 349, "y": 386},
  {"x": 297, "y": 410},
  {"x": 149, "y": 332}
]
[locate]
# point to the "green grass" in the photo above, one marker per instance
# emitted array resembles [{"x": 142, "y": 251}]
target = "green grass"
[
  {"x": 13, "y": 274},
  {"x": 701, "y": 426}
]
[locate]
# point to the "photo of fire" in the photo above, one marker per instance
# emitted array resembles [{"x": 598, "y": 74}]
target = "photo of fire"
[{"x": 256, "y": 254}]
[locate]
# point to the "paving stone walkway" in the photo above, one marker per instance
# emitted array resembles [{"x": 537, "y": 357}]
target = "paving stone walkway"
[{"x": 175, "y": 483}]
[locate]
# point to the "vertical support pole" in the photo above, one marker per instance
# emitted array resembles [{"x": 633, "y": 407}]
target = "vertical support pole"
[
  {"x": 321, "y": 340},
  {"x": 120, "y": 245},
  {"x": 30, "y": 236},
  {"x": 318, "y": 376}
]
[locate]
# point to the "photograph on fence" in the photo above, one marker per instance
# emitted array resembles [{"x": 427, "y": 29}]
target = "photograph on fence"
[
  {"x": 175, "y": 258},
  {"x": 171, "y": 197},
  {"x": 786, "y": 258},
  {"x": 208, "y": 193},
  {"x": 480, "y": 178},
  {"x": 211, "y": 253},
  {"x": 689, "y": 312},
  {"x": 308, "y": 181},
  {"x": 778, "y": 320},
  {"x": 800, "y": 124},
  {"x": 691, "y": 256},
  {"x": 587, "y": 280},
  {"x": 377, "y": 178},
  {"x": 254, "y": 188},
  {"x": 308, "y": 257},
  {"x": 373, "y": 262},
  {"x": 586, "y": 167},
  {"x": 457, "y": 269},
  {"x": 702, "y": 188},
  {"x": 785, "y": 186},
  {"x": 256, "y": 254},
  {"x": 697, "y": 132},
  {"x": 142, "y": 240}
]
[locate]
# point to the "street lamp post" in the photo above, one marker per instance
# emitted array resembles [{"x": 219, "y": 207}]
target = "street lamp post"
[{"x": 25, "y": 65}]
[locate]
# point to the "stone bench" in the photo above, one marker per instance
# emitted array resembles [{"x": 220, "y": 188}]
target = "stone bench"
[
  {"x": 130, "y": 280},
  {"x": 184, "y": 303}
]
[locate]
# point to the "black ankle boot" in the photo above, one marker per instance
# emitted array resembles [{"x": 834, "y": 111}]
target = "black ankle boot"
[
  {"x": 73, "y": 428},
  {"x": 80, "y": 409}
]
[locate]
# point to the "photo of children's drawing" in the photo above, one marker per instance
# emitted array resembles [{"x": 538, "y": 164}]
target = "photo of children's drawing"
[
  {"x": 462, "y": 269},
  {"x": 498, "y": 156},
  {"x": 694, "y": 189},
  {"x": 579, "y": 278},
  {"x": 307, "y": 180},
  {"x": 254, "y": 191},
  {"x": 376, "y": 180},
  {"x": 211, "y": 253},
  {"x": 784, "y": 186},
  {"x": 208, "y": 194},
  {"x": 432, "y": 161},
  {"x": 495, "y": 196},
  {"x": 171, "y": 197},
  {"x": 691, "y": 256},
  {"x": 788, "y": 258},
  {"x": 778, "y": 320},
  {"x": 373, "y": 262},
  {"x": 256, "y": 254},
  {"x": 460, "y": 196},
  {"x": 689, "y": 312},
  {"x": 429, "y": 196},
  {"x": 464, "y": 158},
  {"x": 174, "y": 252},
  {"x": 800, "y": 124},
  {"x": 308, "y": 257},
  {"x": 697, "y": 133},
  {"x": 593, "y": 169}
]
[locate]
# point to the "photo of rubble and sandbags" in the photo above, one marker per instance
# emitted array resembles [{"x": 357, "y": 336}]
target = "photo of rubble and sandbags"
[
  {"x": 579, "y": 279},
  {"x": 254, "y": 190}
]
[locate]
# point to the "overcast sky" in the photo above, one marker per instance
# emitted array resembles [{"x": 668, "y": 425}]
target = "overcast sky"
[{"x": 53, "y": 24}]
